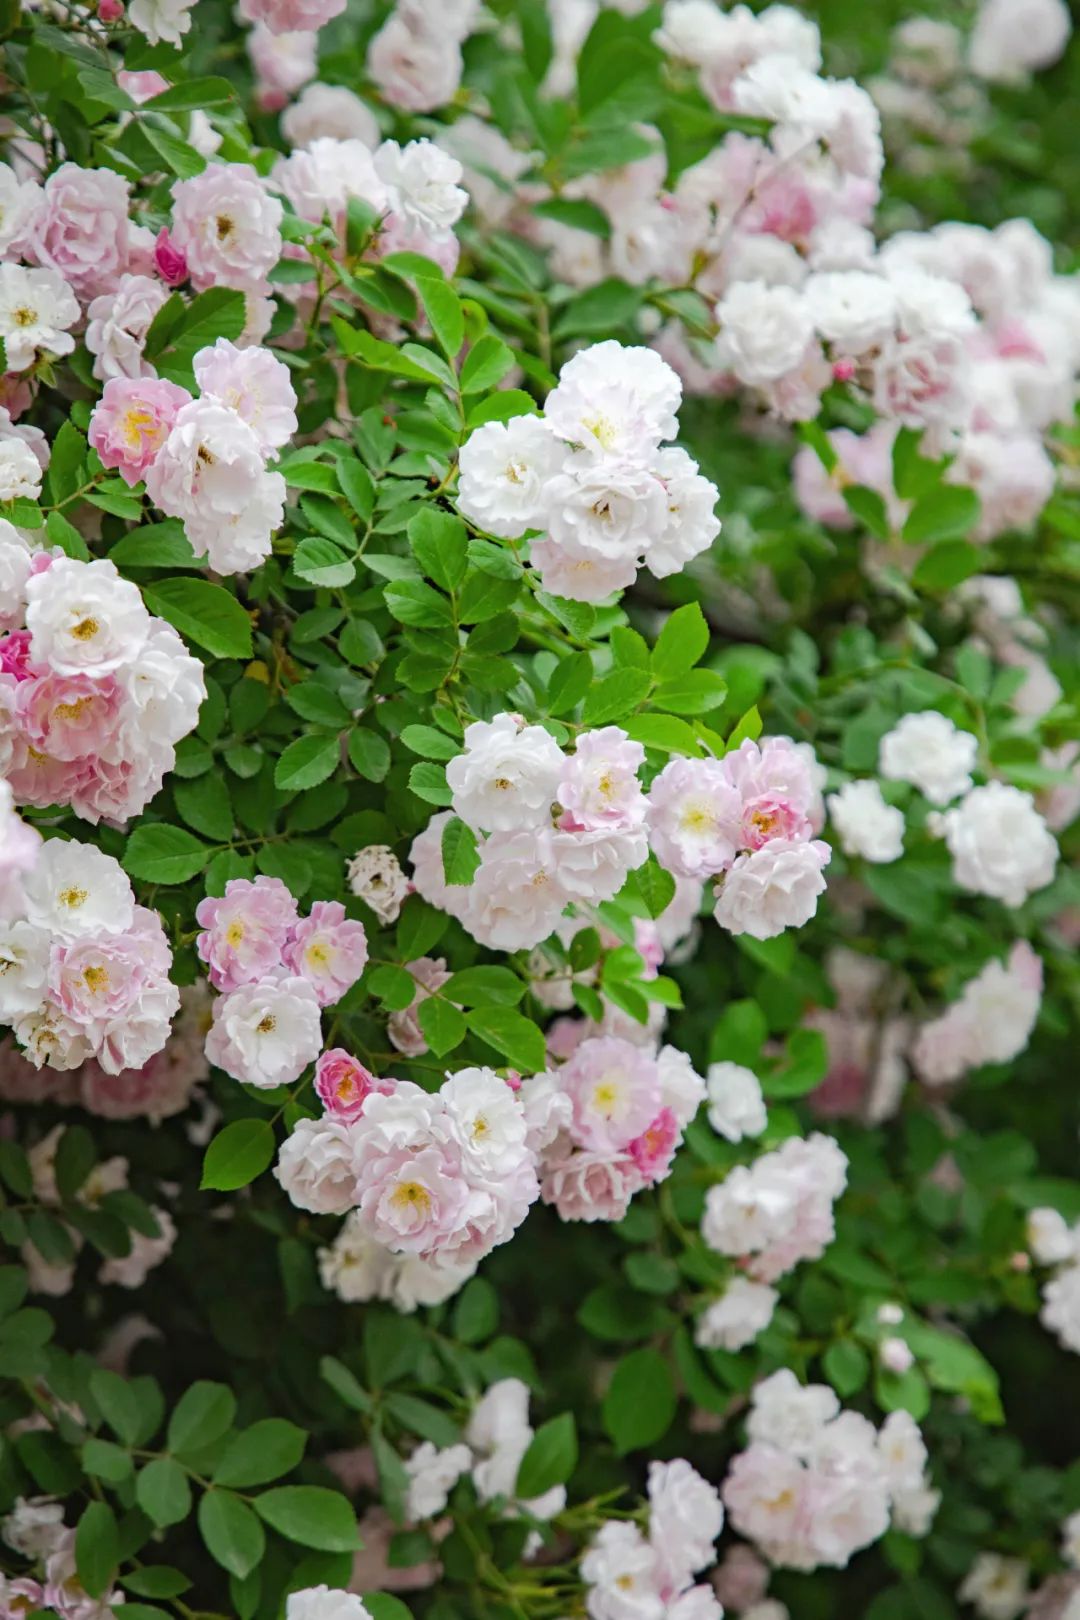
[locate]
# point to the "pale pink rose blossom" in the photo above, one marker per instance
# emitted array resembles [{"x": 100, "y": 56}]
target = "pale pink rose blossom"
[
  {"x": 590, "y": 1186},
  {"x": 226, "y": 224},
  {"x": 82, "y": 231},
  {"x": 599, "y": 784},
  {"x": 131, "y": 422},
  {"x": 255, "y": 384},
  {"x": 291, "y": 16},
  {"x": 246, "y": 931},
  {"x": 117, "y": 324},
  {"x": 615, "y": 1091},
  {"x": 654, "y": 1149},
  {"x": 329, "y": 950}
]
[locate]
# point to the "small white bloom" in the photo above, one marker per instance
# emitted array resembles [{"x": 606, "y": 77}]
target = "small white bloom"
[
  {"x": 75, "y": 890},
  {"x": 507, "y": 777},
  {"x": 36, "y": 309},
  {"x": 736, "y": 1105},
  {"x": 375, "y": 876},
  {"x": 736, "y": 1319},
  {"x": 764, "y": 331},
  {"x": 422, "y": 181},
  {"x": 432, "y": 1476},
  {"x": 866, "y": 825},
  {"x": 928, "y": 751}
]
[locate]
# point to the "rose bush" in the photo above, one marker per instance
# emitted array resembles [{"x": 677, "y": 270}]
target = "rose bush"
[{"x": 539, "y": 777}]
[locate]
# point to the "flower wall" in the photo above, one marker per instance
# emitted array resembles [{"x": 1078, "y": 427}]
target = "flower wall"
[{"x": 539, "y": 777}]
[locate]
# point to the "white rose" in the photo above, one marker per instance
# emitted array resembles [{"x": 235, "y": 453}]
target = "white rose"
[
  {"x": 736, "y": 1105},
  {"x": 867, "y": 826}
]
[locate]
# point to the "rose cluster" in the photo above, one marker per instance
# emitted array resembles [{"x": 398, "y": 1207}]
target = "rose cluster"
[
  {"x": 560, "y": 828},
  {"x": 444, "y": 1176},
  {"x": 204, "y": 460},
  {"x": 411, "y": 190},
  {"x": 593, "y": 476},
  {"x": 651, "y": 1573},
  {"x": 991, "y": 1022},
  {"x": 816, "y": 1484},
  {"x": 84, "y": 971},
  {"x": 275, "y": 972},
  {"x": 163, "y": 1086},
  {"x": 748, "y": 819},
  {"x": 95, "y": 692},
  {"x": 607, "y": 1123},
  {"x": 778, "y": 1211}
]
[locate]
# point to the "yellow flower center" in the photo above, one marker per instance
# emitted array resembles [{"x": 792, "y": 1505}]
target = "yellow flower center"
[
  {"x": 96, "y": 980},
  {"x": 72, "y": 898},
  {"x": 410, "y": 1195},
  {"x": 86, "y": 629}
]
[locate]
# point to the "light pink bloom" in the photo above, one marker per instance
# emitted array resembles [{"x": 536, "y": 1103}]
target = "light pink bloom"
[
  {"x": 775, "y": 769},
  {"x": 695, "y": 815},
  {"x": 328, "y": 950},
  {"x": 246, "y": 932},
  {"x": 282, "y": 63},
  {"x": 590, "y": 1186},
  {"x": 118, "y": 322},
  {"x": 654, "y": 1149},
  {"x": 226, "y": 224},
  {"x": 771, "y": 816},
  {"x": 599, "y": 783},
  {"x": 255, "y": 384},
  {"x": 82, "y": 231},
  {"x": 71, "y": 716},
  {"x": 266, "y": 1034},
  {"x": 291, "y": 16},
  {"x": 615, "y": 1091},
  {"x": 140, "y": 86},
  {"x": 776, "y": 887},
  {"x": 131, "y": 422},
  {"x": 343, "y": 1085}
]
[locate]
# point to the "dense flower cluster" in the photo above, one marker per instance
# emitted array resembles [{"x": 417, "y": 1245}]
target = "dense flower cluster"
[
  {"x": 627, "y": 1571},
  {"x": 275, "y": 971},
  {"x": 85, "y": 970},
  {"x": 95, "y": 692},
  {"x": 990, "y": 1023},
  {"x": 607, "y": 1123},
  {"x": 444, "y": 1176},
  {"x": 750, "y": 819},
  {"x": 561, "y": 829},
  {"x": 592, "y": 474},
  {"x": 817, "y": 1483},
  {"x": 779, "y": 1210}
]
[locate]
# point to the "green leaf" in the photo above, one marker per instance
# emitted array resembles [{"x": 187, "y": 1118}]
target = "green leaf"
[
  {"x": 206, "y": 805},
  {"x": 233, "y": 1535},
  {"x": 428, "y": 781},
  {"x": 163, "y": 1492},
  {"x": 429, "y": 742},
  {"x": 570, "y": 682},
  {"x": 516, "y": 1037},
  {"x": 615, "y": 695},
  {"x": 947, "y": 564},
  {"x": 97, "y": 1548},
  {"x": 321, "y": 562},
  {"x": 847, "y": 1366},
  {"x": 307, "y": 762},
  {"x": 476, "y": 1312},
  {"x": 442, "y": 307},
  {"x": 261, "y": 1453},
  {"x": 695, "y": 692},
  {"x": 947, "y": 513},
  {"x": 179, "y": 155},
  {"x": 106, "y": 1461},
  {"x": 207, "y": 614},
  {"x": 237, "y": 1154},
  {"x": 118, "y": 1402},
  {"x": 441, "y": 1025},
  {"x": 414, "y": 603},
  {"x": 394, "y": 986},
  {"x": 158, "y": 853},
  {"x": 369, "y": 753},
  {"x": 485, "y": 365},
  {"x": 156, "y": 1580},
  {"x": 357, "y": 487},
  {"x": 201, "y": 1416},
  {"x": 749, "y": 727},
  {"x": 550, "y": 1459},
  {"x": 484, "y": 987},
  {"x": 439, "y": 542},
  {"x": 681, "y": 642},
  {"x": 870, "y": 509},
  {"x": 640, "y": 1403},
  {"x": 218, "y": 312},
  {"x": 579, "y": 214},
  {"x": 420, "y": 927},
  {"x": 663, "y": 732},
  {"x": 195, "y": 93},
  {"x": 311, "y": 1515},
  {"x": 155, "y": 545},
  {"x": 345, "y": 1385},
  {"x": 657, "y": 886},
  {"x": 460, "y": 855},
  {"x": 611, "y": 303}
]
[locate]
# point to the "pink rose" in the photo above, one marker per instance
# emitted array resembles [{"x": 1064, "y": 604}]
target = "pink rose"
[
  {"x": 82, "y": 230},
  {"x": 170, "y": 264},
  {"x": 227, "y": 225},
  {"x": 131, "y": 422},
  {"x": 654, "y": 1149},
  {"x": 291, "y": 16},
  {"x": 328, "y": 950},
  {"x": 343, "y": 1085},
  {"x": 71, "y": 716},
  {"x": 590, "y": 1186},
  {"x": 246, "y": 931}
]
